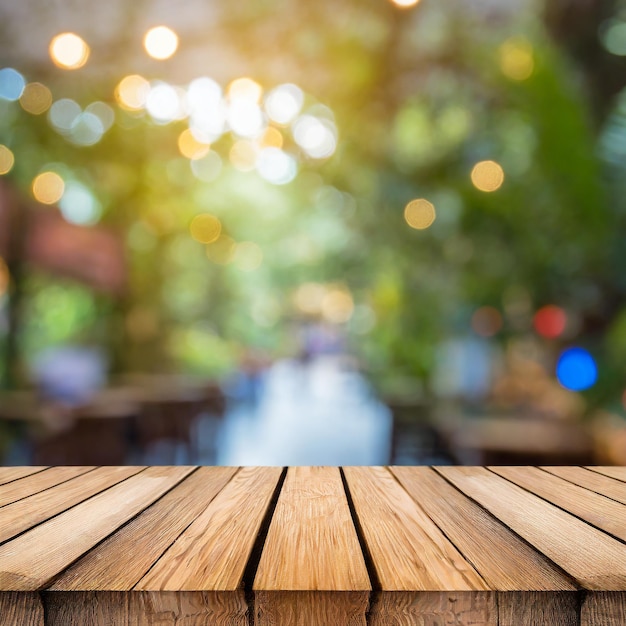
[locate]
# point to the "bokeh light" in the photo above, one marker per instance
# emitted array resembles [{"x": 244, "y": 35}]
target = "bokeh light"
[
  {"x": 308, "y": 298},
  {"x": 614, "y": 37},
  {"x": 419, "y": 214},
  {"x": 576, "y": 369},
  {"x": 272, "y": 138},
  {"x": 487, "y": 321},
  {"x": 222, "y": 250},
  {"x": 516, "y": 58},
  {"x": 405, "y": 4},
  {"x": 48, "y": 187},
  {"x": 160, "y": 42},
  {"x": 36, "y": 98},
  {"x": 78, "y": 204},
  {"x": 243, "y": 155},
  {"x": 248, "y": 256},
  {"x": 315, "y": 136},
  {"x": 7, "y": 160},
  {"x": 487, "y": 176},
  {"x": 337, "y": 305},
  {"x": 103, "y": 112},
  {"x": 63, "y": 114},
  {"x": 284, "y": 103},
  {"x": 190, "y": 147},
  {"x": 550, "y": 321},
  {"x": 12, "y": 84},
  {"x": 87, "y": 129},
  {"x": 132, "y": 91},
  {"x": 276, "y": 166},
  {"x": 245, "y": 89},
  {"x": 69, "y": 51},
  {"x": 246, "y": 118},
  {"x": 164, "y": 103},
  {"x": 205, "y": 228}
]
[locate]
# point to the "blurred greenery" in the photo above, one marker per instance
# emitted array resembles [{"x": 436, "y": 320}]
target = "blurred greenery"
[{"x": 419, "y": 96}]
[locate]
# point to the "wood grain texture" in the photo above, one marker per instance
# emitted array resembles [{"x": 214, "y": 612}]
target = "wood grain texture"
[
  {"x": 479, "y": 536},
  {"x": 604, "y": 609},
  {"x": 618, "y": 473},
  {"x": 594, "y": 508},
  {"x": 466, "y": 608},
  {"x": 594, "y": 481},
  {"x": 310, "y": 608},
  {"x": 31, "y": 560},
  {"x": 24, "y": 514},
  {"x": 21, "y": 609},
  {"x": 312, "y": 547},
  {"x": 538, "y": 608},
  {"x": 7, "y": 474},
  {"x": 34, "y": 483},
  {"x": 123, "y": 559},
  {"x": 594, "y": 559},
  {"x": 211, "y": 555},
  {"x": 408, "y": 551},
  {"x": 145, "y": 608},
  {"x": 312, "y": 543}
]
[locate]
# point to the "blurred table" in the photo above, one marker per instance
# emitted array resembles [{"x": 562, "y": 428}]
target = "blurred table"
[
  {"x": 506, "y": 546},
  {"x": 502, "y": 440}
]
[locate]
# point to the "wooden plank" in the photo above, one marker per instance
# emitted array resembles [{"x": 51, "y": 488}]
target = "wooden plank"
[
  {"x": 613, "y": 472},
  {"x": 524, "y": 608},
  {"x": 213, "y": 552},
  {"x": 408, "y": 551},
  {"x": 594, "y": 559},
  {"x": 7, "y": 474},
  {"x": 298, "y": 580},
  {"x": 21, "y": 609},
  {"x": 604, "y": 609},
  {"x": 24, "y": 514},
  {"x": 34, "y": 483},
  {"x": 479, "y": 536},
  {"x": 592, "y": 507},
  {"x": 599, "y": 483},
  {"x": 123, "y": 559},
  {"x": 145, "y": 608},
  {"x": 428, "y": 608},
  {"x": 310, "y": 608},
  {"x": 31, "y": 560}
]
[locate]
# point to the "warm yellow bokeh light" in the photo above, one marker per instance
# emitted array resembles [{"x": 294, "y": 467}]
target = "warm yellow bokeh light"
[
  {"x": 487, "y": 176},
  {"x": 36, "y": 98},
  {"x": 405, "y": 4},
  {"x": 4, "y": 277},
  {"x": 516, "y": 58},
  {"x": 190, "y": 147},
  {"x": 243, "y": 155},
  {"x": 132, "y": 91},
  {"x": 248, "y": 256},
  {"x": 308, "y": 297},
  {"x": 419, "y": 214},
  {"x": 245, "y": 89},
  {"x": 222, "y": 250},
  {"x": 69, "y": 51},
  {"x": 205, "y": 228},
  {"x": 160, "y": 42},
  {"x": 48, "y": 187},
  {"x": 272, "y": 138},
  {"x": 337, "y": 306},
  {"x": 6, "y": 160}
]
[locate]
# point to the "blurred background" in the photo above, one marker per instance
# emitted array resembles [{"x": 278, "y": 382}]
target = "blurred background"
[{"x": 313, "y": 233}]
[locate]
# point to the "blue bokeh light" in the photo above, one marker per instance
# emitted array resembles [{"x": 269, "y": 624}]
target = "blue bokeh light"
[
  {"x": 576, "y": 369},
  {"x": 12, "y": 84}
]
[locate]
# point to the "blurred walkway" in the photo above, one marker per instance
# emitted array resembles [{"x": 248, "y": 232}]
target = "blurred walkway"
[{"x": 314, "y": 414}]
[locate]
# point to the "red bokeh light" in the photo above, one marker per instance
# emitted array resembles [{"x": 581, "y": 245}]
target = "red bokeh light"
[{"x": 550, "y": 321}]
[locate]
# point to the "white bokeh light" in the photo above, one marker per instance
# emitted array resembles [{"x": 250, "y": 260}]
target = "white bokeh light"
[
  {"x": 63, "y": 113},
  {"x": 165, "y": 103},
  {"x": 283, "y": 103},
  {"x": 245, "y": 118},
  {"x": 276, "y": 166},
  {"x": 316, "y": 137},
  {"x": 79, "y": 205}
]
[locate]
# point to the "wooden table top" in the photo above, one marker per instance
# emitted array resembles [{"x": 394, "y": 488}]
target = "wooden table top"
[{"x": 192, "y": 546}]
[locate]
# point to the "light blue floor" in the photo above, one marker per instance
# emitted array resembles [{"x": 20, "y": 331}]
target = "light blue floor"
[{"x": 316, "y": 414}]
